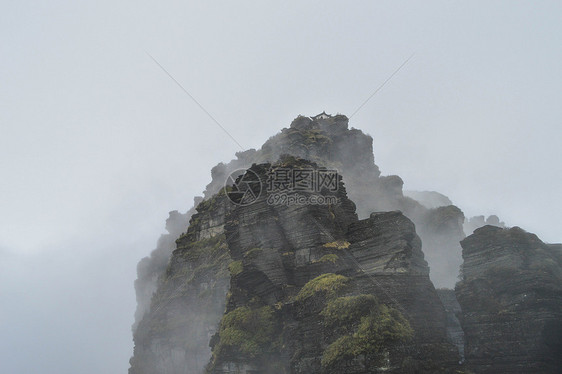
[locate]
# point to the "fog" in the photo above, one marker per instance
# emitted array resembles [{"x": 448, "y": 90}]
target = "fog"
[{"x": 97, "y": 144}]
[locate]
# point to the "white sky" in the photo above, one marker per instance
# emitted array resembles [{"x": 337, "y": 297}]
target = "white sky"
[{"x": 97, "y": 144}]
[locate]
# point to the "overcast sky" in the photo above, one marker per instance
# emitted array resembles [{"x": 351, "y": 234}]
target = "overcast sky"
[{"x": 97, "y": 144}]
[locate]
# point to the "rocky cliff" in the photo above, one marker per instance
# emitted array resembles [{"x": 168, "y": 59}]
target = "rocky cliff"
[
  {"x": 511, "y": 300},
  {"x": 333, "y": 277},
  {"x": 173, "y": 335},
  {"x": 331, "y": 143},
  {"x": 150, "y": 268},
  {"x": 286, "y": 277}
]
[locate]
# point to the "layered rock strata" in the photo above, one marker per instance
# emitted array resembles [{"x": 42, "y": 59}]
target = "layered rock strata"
[
  {"x": 294, "y": 265},
  {"x": 511, "y": 299},
  {"x": 173, "y": 336},
  {"x": 329, "y": 142}
]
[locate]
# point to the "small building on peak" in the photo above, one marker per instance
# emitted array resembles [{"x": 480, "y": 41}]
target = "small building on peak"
[{"x": 322, "y": 115}]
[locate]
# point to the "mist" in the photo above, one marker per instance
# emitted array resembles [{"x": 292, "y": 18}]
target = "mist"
[{"x": 98, "y": 145}]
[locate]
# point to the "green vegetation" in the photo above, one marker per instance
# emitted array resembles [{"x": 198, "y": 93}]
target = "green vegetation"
[
  {"x": 247, "y": 331},
  {"x": 338, "y": 244},
  {"x": 315, "y": 136},
  {"x": 198, "y": 258},
  {"x": 348, "y": 310},
  {"x": 211, "y": 203},
  {"x": 329, "y": 283},
  {"x": 305, "y": 138},
  {"x": 235, "y": 267},
  {"x": 340, "y": 117},
  {"x": 195, "y": 250},
  {"x": 332, "y": 257},
  {"x": 207, "y": 255},
  {"x": 378, "y": 329},
  {"x": 203, "y": 212},
  {"x": 295, "y": 162}
]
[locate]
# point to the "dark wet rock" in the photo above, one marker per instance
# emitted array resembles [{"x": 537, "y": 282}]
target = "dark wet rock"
[
  {"x": 387, "y": 242},
  {"x": 229, "y": 291},
  {"x": 453, "y": 311},
  {"x": 279, "y": 252},
  {"x": 511, "y": 299},
  {"x": 330, "y": 142}
]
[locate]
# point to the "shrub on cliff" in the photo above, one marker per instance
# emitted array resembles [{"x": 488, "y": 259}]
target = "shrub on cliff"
[
  {"x": 338, "y": 244},
  {"x": 247, "y": 331},
  {"x": 235, "y": 267},
  {"x": 345, "y": 311},
  {"x": 378, "y": 326},
  {"x": 332, "y": 257},
  {"x": 329, "y": 283}
]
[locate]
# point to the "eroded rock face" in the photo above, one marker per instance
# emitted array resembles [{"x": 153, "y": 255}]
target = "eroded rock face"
[
  {"x": 511, "y": 299},
  {"x": 173, "y": 336},
  {"x": 150, "y": 268},
  {"x": 336, "y": 288},
  {"x": 331, "y": 143},
  {"x": 294, "y": 264},
  {"x": 387, "y": 242},
  {"x": 390, "y": 251}
]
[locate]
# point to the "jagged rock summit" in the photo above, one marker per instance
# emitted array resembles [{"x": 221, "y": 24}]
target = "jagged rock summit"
[{"x": 310, "y": 261}]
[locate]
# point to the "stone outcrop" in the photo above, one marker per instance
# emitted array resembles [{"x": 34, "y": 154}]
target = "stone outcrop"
[
  {"x": 285, "y": 255},
  {"x": 473, "y": 223},
  {"x": 341, "y": 286},
  {"x": 150, "y": 268},
  {"x": 511, "y": 299},
  {"x": 173, "y": 336},
  {"x": 331, "y": 143},
  {"x": 264, "y": 285}
]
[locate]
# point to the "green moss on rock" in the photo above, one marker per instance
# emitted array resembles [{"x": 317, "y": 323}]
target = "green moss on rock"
[
  {"x": 347, "y": 310},
  {"x": 235, "y": 267},
  {"x": 382, "y": 327},
  {"x": 206, "y": 255},
  {"x": 338, "y": 244},
  {"x": 329, "y": 283},
  {"x": 247, "y": 331}
]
